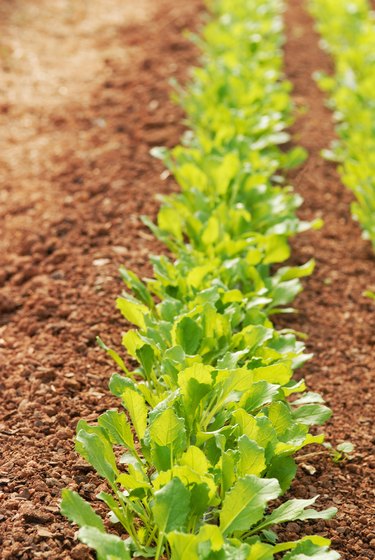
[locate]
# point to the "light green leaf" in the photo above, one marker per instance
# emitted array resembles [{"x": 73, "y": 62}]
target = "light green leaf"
[
  {"x": 312, "y": 414},
  {"x": 117, "y": 426},
  {"x": 280, "y": 416},
  {"x": 289, "y": 511},
  {"x": 227, "y": 471},
  {"x": 309, "y": 398},
  {"x": 136, "y": 406},
  {"x": 133, "y": 311},
  {"x": 195, "y": 459},
  {"x": 199, "y": 372},
  {"x": 97, "y": 450},
  {"x": 107, "y": 547},
  {"x": 307, "y": 550},
  {"x": 345, "y": 447},
  {"x": 194, "y": 382},
  {"x": 167, "y": 428},
  {"x": 276, "y": 248},
  {"x": 261, "y": 393},
  {"x": 189, "y": 335},
  {"x": 247, "y": 424},
  {"x": 146, "y": 356},
  {"x": 260, "y": 551},
  {"x": 291, "y": 545},
  {"x": 171, "y": 506},
  {"x": 213, "y": 534},
  {"x": 226, "y": 172},
  {"x": 295, "y": 157},
  {"x": 252, "y": 459},
  {"x": 169, "y": 221},
  {"x": 79, "y": 511},
  {"x": 184, "y": 546},
  {"x": 322, "y": 514},
  {"x": 137, "y": 286},
  {"x": 244, "y": 504},
  {"x": 276, "y": 373},
  {"x": 114, "y": 355},
  {"x": 284, "y": 469}
]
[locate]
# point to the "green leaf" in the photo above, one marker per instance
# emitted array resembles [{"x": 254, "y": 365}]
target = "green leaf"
[
  {"x": 168, "y": 429},
  {"x": 189, "y": 335},
  {"x": 171, "y": 506},
  {"x": 184, "y": 546},
  {"x": 312, "y": 414},
  {"x": 291, "y": 510},
  {"x": 213, "y": 535},
  {"x": 146, "y": 356},
  {"x": 244, "y": 504},
  {"x": 199, "y": 372},
  {"x": 345, "y": 447},
  {"x": 284, "y": 469},
  {"x": 169, "y": 221},
  {"x": 312, "y": 539},
  {"x": 195, "y": 459},
  {"x": 188, "y": 547},
  {"x": 114, "y": 355},
  {"x": 118, "y": 384},
  {"x": 114, "y": 506},
  {"x": 195, "y": 383},
  {"x": 291, "y": 272},
  {"x": 133, "y": 311},
  {"x": 239, "y": 551},
  {"x": 226, "y": 172},
  {"x": 79, "y": 511},
  {"x": 276, "y": 373},
  {"x": 97, "y": 450},
  {"x": 252, "y": 459},
  {"x": 212, "y": 232},
  {"x": 322, "y": 514},
  {"x": 199, "y": 499},
  {"x": 295, "y": 157},
  {"x": 117, "y": 426},
  {"x": 280, "y": 416},
  {"x": 261, "y": 393},
  {"x": 107, "y": 547},
  {"x": 260, "y": 551},
  {"x": 306, "y": 550},
  {"x": 227, "y": 471},
  {"x": 136, "y": 285},
  {"x": 136, "y": 406},
  {"x": 276, "y": 248},
  {"x": 369, "y": 294},
  {"x": 309, "y": 398}
]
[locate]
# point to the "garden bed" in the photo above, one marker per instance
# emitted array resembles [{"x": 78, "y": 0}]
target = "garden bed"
[{"x": 71, "y": 202}]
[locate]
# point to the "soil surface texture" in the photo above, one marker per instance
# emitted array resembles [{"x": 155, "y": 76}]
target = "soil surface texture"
[
  {"x": 84, "y": 95},
  {"x": 338, "y": 319}
]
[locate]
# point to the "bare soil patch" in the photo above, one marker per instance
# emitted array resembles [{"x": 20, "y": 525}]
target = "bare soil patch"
[{"x": 339, "y": 321}]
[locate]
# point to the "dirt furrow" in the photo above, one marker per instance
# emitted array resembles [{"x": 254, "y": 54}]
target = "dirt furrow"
[
  {"x": 339, "y": 321},
  {"x": 85, "y": 96}
]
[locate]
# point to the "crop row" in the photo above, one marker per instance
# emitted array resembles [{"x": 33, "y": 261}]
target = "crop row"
[
  {"x": 348, "y": 32},
  {"x": 212, "y": 416}
]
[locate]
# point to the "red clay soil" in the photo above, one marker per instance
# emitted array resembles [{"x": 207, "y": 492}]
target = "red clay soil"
[
  {"x": 75, "y": 177},
  {"x": 85, "y": 97},
  {"x": 339, "y": 321}
]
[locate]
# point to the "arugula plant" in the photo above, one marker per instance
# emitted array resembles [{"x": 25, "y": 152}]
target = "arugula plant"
[
  {"x": 348, "y": 32},
  {"x": 203, "y": 441}
]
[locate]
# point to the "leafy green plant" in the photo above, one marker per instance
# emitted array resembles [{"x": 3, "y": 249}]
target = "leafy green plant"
[
  {"x": 348, "y": 32},
  {"x": 203, "y": 441}
]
